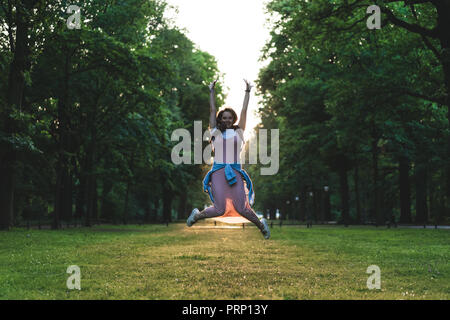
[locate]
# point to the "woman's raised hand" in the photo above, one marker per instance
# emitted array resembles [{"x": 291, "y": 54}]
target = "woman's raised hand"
[
  {"x": 249, "y": 86},
  {"x": 212, "y": 85}
]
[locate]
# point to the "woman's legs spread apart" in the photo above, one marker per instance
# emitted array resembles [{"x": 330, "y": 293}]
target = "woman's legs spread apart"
[
  {"x": 218, "y": 189},
  {"x": 240, "y": 202}
]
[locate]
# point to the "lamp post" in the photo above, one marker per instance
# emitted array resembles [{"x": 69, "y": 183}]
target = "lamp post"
[
  {"x": 309, "y": 218},
  {"x": 296, "y": 215},
  {"x": 287, "y": 213},
  {"x": 327, "y": 205}
]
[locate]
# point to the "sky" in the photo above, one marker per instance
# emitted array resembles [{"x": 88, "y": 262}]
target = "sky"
[{"x": 234, "y": 32}]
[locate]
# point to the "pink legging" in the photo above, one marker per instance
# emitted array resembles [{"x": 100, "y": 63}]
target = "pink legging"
[{"x": 221, "y": 191}]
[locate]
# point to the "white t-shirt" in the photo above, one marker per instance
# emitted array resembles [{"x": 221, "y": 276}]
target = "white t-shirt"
[{"x": 227, "y": 145}]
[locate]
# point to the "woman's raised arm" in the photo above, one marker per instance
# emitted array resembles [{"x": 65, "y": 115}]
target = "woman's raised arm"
[
  {"x": 212, "y": 103},
  {"x": 243, "y": 118}
]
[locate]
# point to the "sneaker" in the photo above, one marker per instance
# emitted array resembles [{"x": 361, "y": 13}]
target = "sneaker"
[
  {"x": 191, "y": 220},
  {"x": 265, "y": 231}
]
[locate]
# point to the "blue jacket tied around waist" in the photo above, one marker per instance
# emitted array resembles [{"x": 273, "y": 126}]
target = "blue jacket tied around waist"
[{"x": 231, "y": 178}]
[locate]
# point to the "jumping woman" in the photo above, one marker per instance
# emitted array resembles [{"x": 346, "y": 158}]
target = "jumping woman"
[{"x": 225, "y": 182}]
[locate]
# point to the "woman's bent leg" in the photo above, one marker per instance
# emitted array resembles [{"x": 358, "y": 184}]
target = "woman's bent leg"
[
  {"x": 218, "y": 189},
  {"x": 240, "y": 202}
]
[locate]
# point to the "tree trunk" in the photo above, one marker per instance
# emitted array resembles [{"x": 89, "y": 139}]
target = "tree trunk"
[
  {"x": 91, "y": 208},
  {"x": 81, "y": 192},
  {"x": 182, "y": 211},
  {"x": 376, "y": 190},
  {"x": 327, "y": 206},
  {"x": 61, "y": 181},
  {"x": 303, "y": 204},
  {"x": 315, "y": 213},
  {"x": 147, "y": 212},
  {"x": 421, "y": 193},
  {"x": 106, "y": 206},
  {"x": 431, "y": 198},
  {"x": 357, "y": 195},
  {"x": 154, "y": 210},
  {"x": 272, "y": 211},
  {"x": 62, "y": 166},
  {"x": 87, "y": 171},
  {"x": 7, "y": 189},
  {"x": 91, "y": 189},
  {"x": 16, "y": 83},
  {"x": 66, "y": 196},
  {"x": 125, "y": 208},
  {"x": 343, "y": 181},
  {"x": 167, "y": 205},
  {"x": 443, "y": 17},
  {"x": 320, "y": 206},
  {"x": 405, "y": 190},
  {"x": 95, "y": 202},
  {"x": 127, "y": 193},
  {"x": 69, "y": 183},
  {"x": 283, "y": 210}
]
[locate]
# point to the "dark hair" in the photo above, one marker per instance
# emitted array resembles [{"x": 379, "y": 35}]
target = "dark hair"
[{"x": 220, "y": 125}]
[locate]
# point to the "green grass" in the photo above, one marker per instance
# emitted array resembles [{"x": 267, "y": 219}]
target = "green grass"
[{"x": 176, "y": 262}]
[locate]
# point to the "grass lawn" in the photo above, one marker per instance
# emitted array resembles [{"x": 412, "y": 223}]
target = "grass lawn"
[{"x": 176, "y": 262}]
